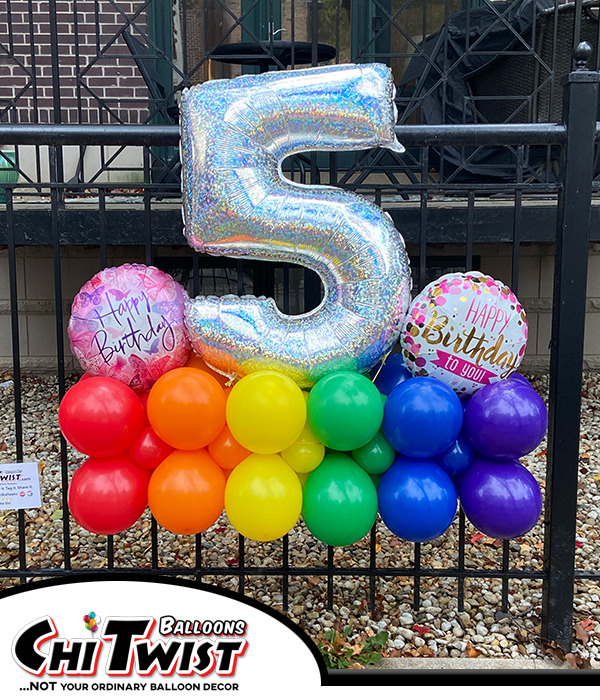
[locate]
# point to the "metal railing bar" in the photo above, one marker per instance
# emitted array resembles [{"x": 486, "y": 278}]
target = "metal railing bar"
[
  {"x": 168, "y": 135},
  {"x": 280, "y": 571}
]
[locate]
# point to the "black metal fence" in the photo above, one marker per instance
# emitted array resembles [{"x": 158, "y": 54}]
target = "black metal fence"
[{"x": 454, "y": 61}]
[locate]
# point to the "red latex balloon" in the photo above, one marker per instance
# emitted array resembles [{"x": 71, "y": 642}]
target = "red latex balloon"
[
  {"x": 108, "y": 494},
  {"x": 226, "y": 451},
  {"x": 143, "y": 397},
  {"x": 85, "y": 376},
  {"x": 100, "y": 416},
  {"x": 148, "y": 450}
]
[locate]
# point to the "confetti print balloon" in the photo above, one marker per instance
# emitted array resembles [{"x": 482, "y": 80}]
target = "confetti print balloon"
[{"x": 466, "y": 329}]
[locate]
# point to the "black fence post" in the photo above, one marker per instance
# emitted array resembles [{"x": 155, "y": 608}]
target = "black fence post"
[{"x": 566, "y": 358}]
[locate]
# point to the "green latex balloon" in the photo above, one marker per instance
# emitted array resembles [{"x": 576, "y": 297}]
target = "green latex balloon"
[
  {"x": 340, "y": 501},
  {"x": 376, "y": 479},
  {"x": 345, "y": 410},
  {"x": 377, "y": 456}
]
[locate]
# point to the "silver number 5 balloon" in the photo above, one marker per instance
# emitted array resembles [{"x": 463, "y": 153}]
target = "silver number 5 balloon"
[{"x": 235, "y": 135}]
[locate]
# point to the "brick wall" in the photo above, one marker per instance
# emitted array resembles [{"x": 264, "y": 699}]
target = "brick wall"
[{"x": 111, "y": 88}]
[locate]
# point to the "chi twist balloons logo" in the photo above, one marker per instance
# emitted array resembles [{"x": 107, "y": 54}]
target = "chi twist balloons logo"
[{"x": 237, "y": 203}]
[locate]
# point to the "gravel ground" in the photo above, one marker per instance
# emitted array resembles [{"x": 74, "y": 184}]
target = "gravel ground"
[{"x": 436, "y": 629}]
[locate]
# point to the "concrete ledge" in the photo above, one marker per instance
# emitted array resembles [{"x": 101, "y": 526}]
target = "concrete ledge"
[{"x": 478, "y": 664}]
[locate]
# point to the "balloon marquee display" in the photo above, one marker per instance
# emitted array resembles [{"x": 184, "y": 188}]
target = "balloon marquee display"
[{"x": 195, "y": 406}]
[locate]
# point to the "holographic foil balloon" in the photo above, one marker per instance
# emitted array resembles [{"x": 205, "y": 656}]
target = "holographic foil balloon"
[
  {"x": 237, "y": 203},
  {"x": 466, "y": 329}
]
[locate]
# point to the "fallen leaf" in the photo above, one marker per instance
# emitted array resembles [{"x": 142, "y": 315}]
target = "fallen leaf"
[
  {"x": 57, "y": 515},
  {"x": 554, "y": 651},
  {"x": 313, "y": 581},
  {"x": 378, "y": 548},
  {"x": 472, "y": 653},
  {"x": 581, "y": 634},
  {"x": 369, "y": 632},
  {"x": 394, "y": 541},
  {"x": 3, "y": 447},
  {"x": 395, "y": 653},
  {"x": 542, "y": 453},
  {"x": 421, "y": 630},
  {"x": 576, "y": 661},
  {"x": 477, "y": 537},
  {"x": 356, "y": 665},
  {"x": 588, "y": 624},
  {"x": 425, "y": 651},
  {"x": 578, "y": 544},
  {"x": 232, "y": 562}
]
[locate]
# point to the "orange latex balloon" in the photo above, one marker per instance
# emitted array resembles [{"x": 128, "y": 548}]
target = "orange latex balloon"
[
  {"x": 186, "y": 408},
  {"x": 226, "y": 450},
  {"x": 186, "y": 492},
  {"x": 197, "y": 362}
]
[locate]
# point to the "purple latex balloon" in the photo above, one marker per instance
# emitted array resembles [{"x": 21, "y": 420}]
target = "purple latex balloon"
[
  {"x": 505, "y": 420},
  {"x": 515, "y": 376},
  {"x": 501, "y": 499}
]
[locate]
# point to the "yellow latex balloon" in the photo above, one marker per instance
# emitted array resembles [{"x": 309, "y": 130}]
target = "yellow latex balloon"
[
  {"x": 305, "y": 454},
  {"x": 302, "y": 478},
  {"x": 263, "y": 497},
  {"x": 266, "y": 412}
]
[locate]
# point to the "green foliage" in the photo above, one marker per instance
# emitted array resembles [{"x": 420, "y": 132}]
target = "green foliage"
[{"x": 339, "y": 653}]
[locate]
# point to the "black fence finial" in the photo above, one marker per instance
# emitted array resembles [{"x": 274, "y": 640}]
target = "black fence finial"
[{"x": 582, "y": 54}]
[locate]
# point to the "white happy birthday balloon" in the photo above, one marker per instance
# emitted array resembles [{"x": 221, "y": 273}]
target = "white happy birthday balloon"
[{"x": 465, "y": 329}]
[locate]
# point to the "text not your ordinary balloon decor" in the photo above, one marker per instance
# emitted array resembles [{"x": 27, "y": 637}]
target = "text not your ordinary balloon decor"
[{"x": 235, "y": 135}]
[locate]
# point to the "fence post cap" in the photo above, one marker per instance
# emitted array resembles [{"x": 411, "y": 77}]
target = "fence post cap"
[{"x": 582, "y": 54}]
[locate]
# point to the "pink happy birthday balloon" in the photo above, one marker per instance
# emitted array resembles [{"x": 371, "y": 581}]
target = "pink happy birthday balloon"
[
  {"x": 127, "y": 323},
  {"x": 465, "y": 329}
]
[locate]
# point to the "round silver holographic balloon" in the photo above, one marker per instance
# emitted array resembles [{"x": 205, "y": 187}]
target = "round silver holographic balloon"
[{"x": 237, "y": 203}]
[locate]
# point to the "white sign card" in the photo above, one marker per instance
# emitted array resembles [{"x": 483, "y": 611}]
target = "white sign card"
[{"x": 19, "y": 486}]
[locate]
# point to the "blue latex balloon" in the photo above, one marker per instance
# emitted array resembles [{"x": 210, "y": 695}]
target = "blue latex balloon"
[
  {"x": 505, "y": 420},
  {"x": 392, "y": 373},
  {"x": 417, "y": 499},
  {"x": 422, "y": 417},
  {"x": 502, "y": 499},
  {"x": 457, "y": 458}
]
